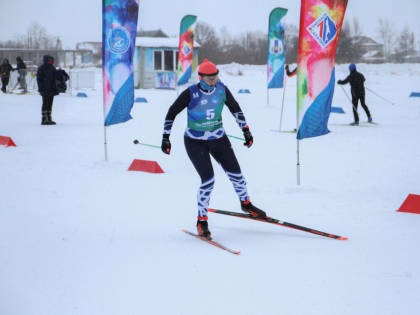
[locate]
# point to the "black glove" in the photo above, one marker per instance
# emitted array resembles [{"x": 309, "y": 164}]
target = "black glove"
[
  {"x": 287, "y": 68},
  {"x": 340, "y": 81},
  {"x": 166, "y": 144},
  {"x": 249, "y": 140}
]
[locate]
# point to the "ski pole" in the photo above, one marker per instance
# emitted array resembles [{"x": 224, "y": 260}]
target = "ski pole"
[
  {"x": 380, "y": 96},
  {"x": 348, "y": 97},
  {"x": 148, "y": 145},
  {"x": 239, "y": 138}
]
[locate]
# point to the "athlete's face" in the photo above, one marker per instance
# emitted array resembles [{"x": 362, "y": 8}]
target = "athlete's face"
[{"x": 211, "y": 80}]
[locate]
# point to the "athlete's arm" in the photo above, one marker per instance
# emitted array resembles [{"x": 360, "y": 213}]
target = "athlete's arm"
[{"x": 180, "y": 103}]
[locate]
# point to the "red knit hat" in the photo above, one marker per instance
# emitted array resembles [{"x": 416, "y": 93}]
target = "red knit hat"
[{"x": 207, "y": 68}]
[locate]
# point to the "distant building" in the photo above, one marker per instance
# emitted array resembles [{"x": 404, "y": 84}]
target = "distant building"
[
  {"x": 62, "y": 57},
  {"x": 95, "y": 47},
  {"x": 372, "y": 50},
  {"x": 153, "y": 33},
  {"x": 156, "y": 61}
]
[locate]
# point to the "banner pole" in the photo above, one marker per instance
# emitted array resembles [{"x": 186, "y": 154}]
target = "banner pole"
[
  {"x": 282, "y": 102},
  {"x": 297, "y": 164},
  {"x": 105, "y": 145},
  {"x": 297, "y": 143}
]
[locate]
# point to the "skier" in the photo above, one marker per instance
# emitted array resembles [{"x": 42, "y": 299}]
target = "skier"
[
  {"x": 290, "y": 73},
  {"x": 21, "y": 68},
  {"x": 205, "y": 136},
  {"x": 46, "y": 77},
  {"x": 357, "y": 83},
  {"x": 5, "y": 69}
]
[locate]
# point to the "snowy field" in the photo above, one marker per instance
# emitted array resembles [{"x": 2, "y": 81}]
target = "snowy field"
[{"x": 79, "y": 235}]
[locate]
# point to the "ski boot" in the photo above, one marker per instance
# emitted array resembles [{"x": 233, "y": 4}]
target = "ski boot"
[
  {"x": 369, "y": 119},
  {"x": 354, "y": 123},
  {"x": 248, "y": 207},
  {"x": 203, "y": 229},
  {"x": 44, "y": 118},
  {"x": 50, "y": 121}
]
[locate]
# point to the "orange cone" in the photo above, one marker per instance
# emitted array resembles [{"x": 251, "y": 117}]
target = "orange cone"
[
  {"x": 411, "y": 204},
  {"x": 145, "y": 166},
  {"x": 7, "y": 141}
]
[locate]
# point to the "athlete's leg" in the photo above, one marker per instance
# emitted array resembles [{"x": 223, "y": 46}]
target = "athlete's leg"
[
  {"x": 362, "y": 101},
  {"x": 221, "y": 150},
  {"x": 199, "y": 155}
]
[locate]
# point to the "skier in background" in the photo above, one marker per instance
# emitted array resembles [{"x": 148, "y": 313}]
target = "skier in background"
[
  {"x": 5, "y": 69},
  {"x": 290, "y": 73},
  {"x": 357, "y": 83},
  {"x": 21, "y": 68},
  {"x": 205, "y": 137},
  {"x": 46, "y": 79}
]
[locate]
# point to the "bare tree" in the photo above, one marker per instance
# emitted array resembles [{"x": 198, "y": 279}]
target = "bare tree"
[
  {"x": 206, "y": 36},
  {"x": 406, "y": 42},
  {"x": 345, "y": 45},
  {"x": 225, "y": 36},
  {"x": 36, "y": 37},
  {"x": 386, "y": 33},
  {"x": 291, "y": 42},
  {"x": 357, "y": 30}
]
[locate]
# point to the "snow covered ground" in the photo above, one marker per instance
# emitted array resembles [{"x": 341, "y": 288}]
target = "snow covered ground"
[{"x": 79, "y": 235}]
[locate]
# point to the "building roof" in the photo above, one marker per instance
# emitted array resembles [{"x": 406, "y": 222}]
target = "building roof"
[
  {"x": 160, "y": 42},
  {"x": 151, "y": 33}
]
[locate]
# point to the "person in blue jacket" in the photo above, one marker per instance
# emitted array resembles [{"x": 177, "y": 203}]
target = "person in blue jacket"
[{"x": 205, "y": 137}]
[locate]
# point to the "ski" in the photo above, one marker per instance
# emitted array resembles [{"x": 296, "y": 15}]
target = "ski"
[
  {"x": 278, "y": 222},
  {"x": 283, "y": 131},
  {"x": 350, "y": 125},
  {"x": 214, "y": 243}
]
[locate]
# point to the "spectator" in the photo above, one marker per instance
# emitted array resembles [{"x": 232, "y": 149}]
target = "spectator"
[
  {"x": 5, "y": 69},
  {"x": 46, "y": 77},
  {"x": 21, "y": 68}
]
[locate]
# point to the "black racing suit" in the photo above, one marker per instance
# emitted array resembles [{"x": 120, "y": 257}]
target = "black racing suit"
[{"x": 357, "y": 83}]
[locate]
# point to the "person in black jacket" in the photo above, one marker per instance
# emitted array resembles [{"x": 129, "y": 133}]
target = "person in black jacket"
[
  {"x": 357, "y": 83},
  {"x": 46, "y": 77},
  {"x": 205, "y": 137},
  {"x": 5, "y": 69},
  {"x": 21, "y": 68}
]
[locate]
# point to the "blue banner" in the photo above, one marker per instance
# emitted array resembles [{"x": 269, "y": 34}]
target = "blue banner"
[
  {"x": 119, "y": 26},
  {"x": 276, "y": 55}
]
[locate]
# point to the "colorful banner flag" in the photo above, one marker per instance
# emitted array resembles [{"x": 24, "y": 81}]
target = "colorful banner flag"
[
  {"x": 320, "y": 27},
  {"x": 186, "y": 48},
  {"x": 119, "y": 26},
  {"x": 276, "y": 52}
]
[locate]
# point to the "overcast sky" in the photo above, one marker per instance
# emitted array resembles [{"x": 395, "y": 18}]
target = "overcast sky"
[{"x": 80, "y": 20}]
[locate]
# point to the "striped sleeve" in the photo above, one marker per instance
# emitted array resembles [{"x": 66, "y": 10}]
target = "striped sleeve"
[
  {"x": 180, "y": 103},
  {"x": 240, "y": 119}
]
